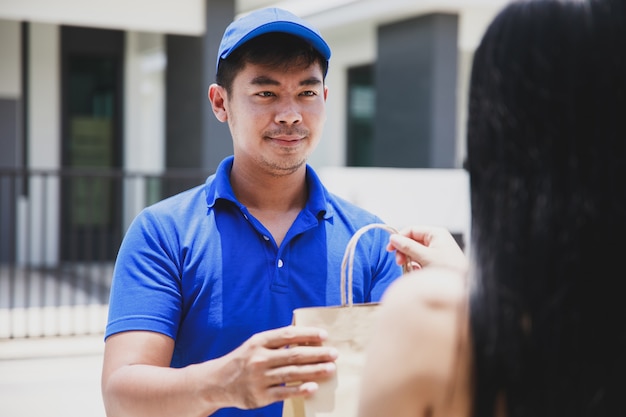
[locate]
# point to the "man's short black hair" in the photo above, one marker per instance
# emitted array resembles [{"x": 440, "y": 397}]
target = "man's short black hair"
[{"x": 277, "y": 50}]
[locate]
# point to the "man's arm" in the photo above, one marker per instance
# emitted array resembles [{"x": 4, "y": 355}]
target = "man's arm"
[{"x": 137, "y": 380}]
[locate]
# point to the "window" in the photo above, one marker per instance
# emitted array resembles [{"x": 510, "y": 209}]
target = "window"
[{"x": 361, "y": 113}]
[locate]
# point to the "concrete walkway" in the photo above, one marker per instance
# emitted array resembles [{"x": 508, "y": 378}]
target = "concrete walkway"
[{"x": 54, "y": 377}]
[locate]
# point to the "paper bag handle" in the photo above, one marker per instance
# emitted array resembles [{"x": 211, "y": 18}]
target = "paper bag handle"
[{"x": 348, "y": 260}]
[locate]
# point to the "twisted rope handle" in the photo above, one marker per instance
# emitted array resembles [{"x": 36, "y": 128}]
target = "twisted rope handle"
[{"x": 348, "y": 259}]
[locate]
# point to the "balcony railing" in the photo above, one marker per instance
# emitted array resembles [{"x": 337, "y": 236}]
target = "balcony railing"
[{"x": 59, "y": 233}]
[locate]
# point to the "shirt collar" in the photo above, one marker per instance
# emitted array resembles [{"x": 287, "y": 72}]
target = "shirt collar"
[
  {"x": 218, "y": 185},
  {"x": 218, "y": 188}
]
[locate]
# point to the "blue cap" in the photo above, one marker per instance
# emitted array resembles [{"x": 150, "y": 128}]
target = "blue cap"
[{"x": 269, "y": 20}]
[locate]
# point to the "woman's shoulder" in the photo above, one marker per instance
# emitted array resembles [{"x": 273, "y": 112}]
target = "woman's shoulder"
[
  {"x": 430, "y": 288},
  {"x": 424, "y": 325}
]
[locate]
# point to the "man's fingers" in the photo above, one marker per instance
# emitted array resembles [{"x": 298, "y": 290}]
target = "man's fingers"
[
  {"x": 282, "y": 392},
  {"x": 301, "y": 355},
  {"x": 292, "y": 335},
  {"x": 297, "y": 373}
]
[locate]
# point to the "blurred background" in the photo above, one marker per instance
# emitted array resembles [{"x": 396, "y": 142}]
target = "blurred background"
[{"x": 104, "y": 110}]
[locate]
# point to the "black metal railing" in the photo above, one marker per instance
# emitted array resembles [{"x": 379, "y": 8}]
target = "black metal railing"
[{"x": 59, "y": 234}]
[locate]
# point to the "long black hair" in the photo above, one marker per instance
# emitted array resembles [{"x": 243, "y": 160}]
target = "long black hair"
[{"x": 546, "y": 154}]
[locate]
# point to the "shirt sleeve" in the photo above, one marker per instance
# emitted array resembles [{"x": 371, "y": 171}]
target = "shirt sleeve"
[
  {"x": 145, "y": 290},
  {"x": 386, "y": 270}
]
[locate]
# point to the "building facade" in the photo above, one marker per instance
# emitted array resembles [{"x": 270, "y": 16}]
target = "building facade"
[{"x": 92, "y": 89}]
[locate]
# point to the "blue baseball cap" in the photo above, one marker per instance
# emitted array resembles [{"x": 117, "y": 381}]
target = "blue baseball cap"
[{"x": 269, "y": 20}]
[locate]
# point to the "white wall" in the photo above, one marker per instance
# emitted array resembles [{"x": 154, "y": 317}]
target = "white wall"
[
  {"x": 144, "y": 102},
  {"x": 472, "y": 25},
  {"x": 43, "y": 145},
  {"x": 144, "y": 118},
  {"x": 405, "y": 196},
  {"x": 44, "y": 116},
  {"x": 184, "y": 17},
  {"x": 351, "y": 46},
  {"x": 10, "y": 59}
]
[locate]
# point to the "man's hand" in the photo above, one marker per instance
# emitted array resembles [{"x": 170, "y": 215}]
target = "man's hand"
[{"x": 262, "y": 371}]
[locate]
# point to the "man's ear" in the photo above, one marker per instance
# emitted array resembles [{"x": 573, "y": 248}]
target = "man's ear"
[{"x": 217, "y": 96}]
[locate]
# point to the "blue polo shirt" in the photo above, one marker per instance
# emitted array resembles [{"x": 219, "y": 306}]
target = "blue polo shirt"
[{"x": 199, "y": 268}]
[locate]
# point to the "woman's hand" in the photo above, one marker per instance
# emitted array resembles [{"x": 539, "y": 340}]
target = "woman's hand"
[{"x": 428, "y": 246}]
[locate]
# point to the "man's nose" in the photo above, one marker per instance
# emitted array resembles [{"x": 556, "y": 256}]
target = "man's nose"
[{"x": 288, "y": 112}]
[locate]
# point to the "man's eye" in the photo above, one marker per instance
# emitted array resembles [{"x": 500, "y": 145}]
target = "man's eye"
[
  {"x": 309, "y": 93},
  {"x": 266, "y": 94}
]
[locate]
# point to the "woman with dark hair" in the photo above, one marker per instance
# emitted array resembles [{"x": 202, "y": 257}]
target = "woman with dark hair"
[{"x": 536, "y": 327}]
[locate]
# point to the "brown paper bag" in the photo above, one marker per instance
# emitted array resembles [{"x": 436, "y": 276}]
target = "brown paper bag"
[{"x": 349, "y": 329}]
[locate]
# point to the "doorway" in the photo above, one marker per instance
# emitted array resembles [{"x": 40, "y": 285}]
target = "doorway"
[{"x": 92, "y": 109}]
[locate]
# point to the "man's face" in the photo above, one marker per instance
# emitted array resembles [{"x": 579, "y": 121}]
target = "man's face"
[{"x": 276, "y": 116}]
